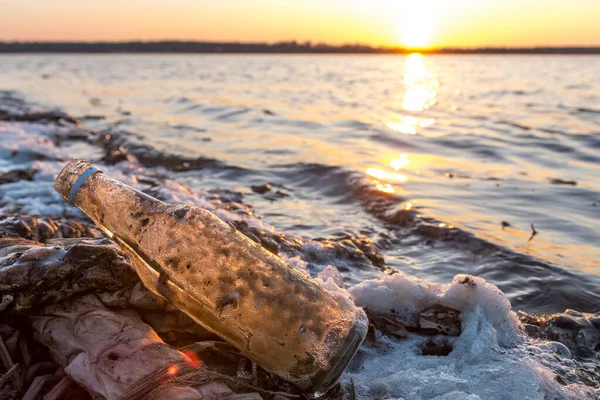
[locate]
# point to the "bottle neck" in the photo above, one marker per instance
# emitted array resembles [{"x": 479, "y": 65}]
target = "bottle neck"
[
  {"x": 111, "y": 204},
  {"x": 72, "y": 177}
]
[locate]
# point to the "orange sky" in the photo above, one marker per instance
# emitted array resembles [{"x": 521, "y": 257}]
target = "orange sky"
[{"x": 437, "y": 23}]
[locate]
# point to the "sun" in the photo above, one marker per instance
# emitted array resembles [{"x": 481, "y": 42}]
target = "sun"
[
  {"x": 416, "y": 27},
  {"x": 416, "y": 34}
]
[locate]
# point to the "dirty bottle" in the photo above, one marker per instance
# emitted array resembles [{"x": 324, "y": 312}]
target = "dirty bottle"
[{"x": 274, "y": 314}]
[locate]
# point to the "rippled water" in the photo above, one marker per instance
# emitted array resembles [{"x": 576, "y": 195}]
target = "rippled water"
[{"x": 445, "y": 162}]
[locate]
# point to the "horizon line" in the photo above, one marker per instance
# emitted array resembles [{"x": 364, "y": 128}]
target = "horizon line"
[{"x": 292, "y": 46}]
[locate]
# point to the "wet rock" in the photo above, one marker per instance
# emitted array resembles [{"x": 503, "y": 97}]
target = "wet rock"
[
  {"x": 433, "y": 232},
  {"x": 270, "y": 245},
  {"x": 439, "y": 320},
  {"x": 92, "y": 118},
  {"x": 63, "y": 268},
  {"x": 41, "y": 117},
  {"x": 11, "y": 248},
  {"x": 357, "y": 251},
  {"x": 578, "y": 332},
  {"x": 270, "y": 194},
  {"x": 231, "y": 199},
  {"x": 16, "y": 175},
  {"x": 116, "y": 155},
  {"x": 560, "y": 379},
  {"x": 119, "y": 147},
  {"x": 532, "y": 330},
  {"x": 276, "y": 195},
  {"x": 261, "y": 189},
  {"x": 389, "y": 325},
  {"x": 40, "y": 229},
  {"x": 359, "y": 248},
  {"x": 568, "y": 321},
  {"x": 433, "y": 321}
]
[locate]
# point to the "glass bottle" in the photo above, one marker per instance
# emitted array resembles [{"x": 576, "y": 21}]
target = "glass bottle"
[{"x": 273, "y": 313}]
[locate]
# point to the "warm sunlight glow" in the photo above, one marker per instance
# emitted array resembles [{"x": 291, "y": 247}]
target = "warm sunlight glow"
[
  {"x": 420, "y": 94},
  {"x": 383, "y": 175},
  {"x": 409, "y": 123},
  {"x": 400, "y": 162},
  {"x": 416, "y": 26},
  {"x": 406, "y": 23},
  {"x": 384, "y": 187},
  {"x": 421, "y": 86},
  {"x": 416, "y": 34}
]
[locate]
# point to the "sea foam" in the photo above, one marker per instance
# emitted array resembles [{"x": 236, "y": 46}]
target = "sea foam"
[{"x": 490, "y": 359}]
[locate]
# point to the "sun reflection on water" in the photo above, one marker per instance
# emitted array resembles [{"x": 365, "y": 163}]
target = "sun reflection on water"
[
  {"x": 421, "y": 86},
  {"x": 421, "y": 90},
  {"x": 381, "y": 175},
  {"x": 400, "y": 162},
  {"x": 384, "y": 187},
  {"x": 410, "y": 124}
]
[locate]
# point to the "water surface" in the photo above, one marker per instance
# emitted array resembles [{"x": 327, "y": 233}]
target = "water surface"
[{"x": 444, "y": 162}]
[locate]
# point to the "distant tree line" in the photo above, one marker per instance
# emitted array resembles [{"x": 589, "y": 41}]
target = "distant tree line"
[{"x": 291, "y": 47}]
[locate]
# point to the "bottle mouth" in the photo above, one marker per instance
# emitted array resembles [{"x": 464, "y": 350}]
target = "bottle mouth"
[
  {"x": 323, "y": 382},
  {"x": 70, "y": 179}
]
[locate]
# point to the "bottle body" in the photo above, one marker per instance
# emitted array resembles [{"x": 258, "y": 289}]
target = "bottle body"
[{"x": 274, "y": 314}]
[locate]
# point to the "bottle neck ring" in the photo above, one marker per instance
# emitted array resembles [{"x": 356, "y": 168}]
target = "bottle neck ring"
[{"x": 79, "y": 183}]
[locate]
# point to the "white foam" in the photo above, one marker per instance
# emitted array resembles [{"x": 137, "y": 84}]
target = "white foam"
[
  {"x": 330, "y": 272},
  {"x": 21, "y": 147},
  {"x": 26, "y": 142},
  {"x": 489, "y": 359},
  {"x": 296, "y": 262}
]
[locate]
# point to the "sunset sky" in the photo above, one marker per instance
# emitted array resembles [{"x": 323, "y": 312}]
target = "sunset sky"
[{"x": 433, "y": 23}]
